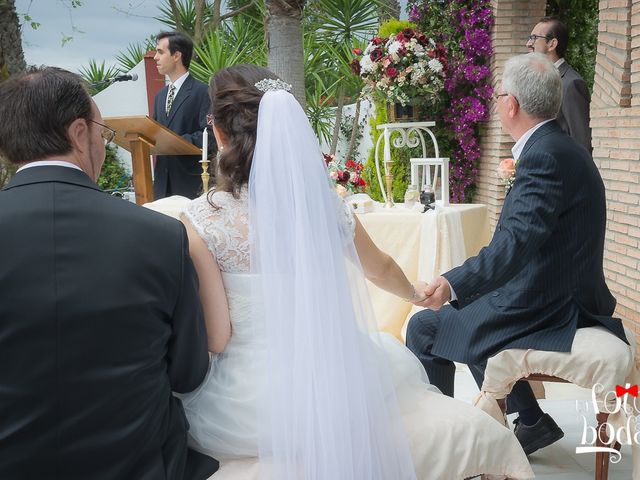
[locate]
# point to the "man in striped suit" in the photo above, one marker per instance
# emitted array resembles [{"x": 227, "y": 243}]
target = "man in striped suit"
[{"x": 541, "y": 276}]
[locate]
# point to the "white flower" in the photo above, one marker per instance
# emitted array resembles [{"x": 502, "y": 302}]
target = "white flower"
[
  {"x": 418, "y": 49},
  {"x": 367, "y": 65},
  {"x": 394, "y": 47},
  {"x": 435, "y": 65}
]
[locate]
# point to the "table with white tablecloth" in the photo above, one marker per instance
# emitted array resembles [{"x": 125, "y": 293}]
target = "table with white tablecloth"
[{"x": 424, "y": 245}]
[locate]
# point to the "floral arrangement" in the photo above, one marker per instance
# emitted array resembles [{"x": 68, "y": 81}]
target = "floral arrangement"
[
  {"x": 402, "y": 68},
  {"x": 465, "y": 27},
  {"x": 507, "y": 172},
  {"x": 346, "y": 176}
]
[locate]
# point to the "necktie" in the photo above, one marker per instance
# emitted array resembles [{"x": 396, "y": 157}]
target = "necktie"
[{"x": 172, "y": 92}]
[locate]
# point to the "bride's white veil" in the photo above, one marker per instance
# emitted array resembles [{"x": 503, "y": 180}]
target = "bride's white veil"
[{"x": 329, "y": 409}]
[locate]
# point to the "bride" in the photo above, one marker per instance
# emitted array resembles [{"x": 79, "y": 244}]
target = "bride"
[{"x": 300, "y": 381}]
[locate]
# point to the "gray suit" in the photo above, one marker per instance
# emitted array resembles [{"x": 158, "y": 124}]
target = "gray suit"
[
  {"x": 539, "y": 279},
  {"x": 573, "y": 117}
]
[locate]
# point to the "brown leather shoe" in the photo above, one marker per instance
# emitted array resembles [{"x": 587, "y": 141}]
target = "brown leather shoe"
[{"x": 545, "y": 432}]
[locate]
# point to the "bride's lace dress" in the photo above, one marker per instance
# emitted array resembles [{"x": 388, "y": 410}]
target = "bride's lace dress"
[{"x": 222, "y": 412}]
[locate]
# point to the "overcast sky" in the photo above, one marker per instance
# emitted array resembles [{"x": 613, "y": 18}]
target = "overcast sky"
[{"x": 107, "y": 27}]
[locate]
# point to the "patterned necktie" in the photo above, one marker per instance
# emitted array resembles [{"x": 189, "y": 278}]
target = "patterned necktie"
[{"x": 172, "y": 92}]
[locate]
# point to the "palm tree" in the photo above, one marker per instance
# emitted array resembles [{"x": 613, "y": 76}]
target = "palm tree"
[
  {"x": 283, "y": 26},
  {"x": 11, "y": 53}
]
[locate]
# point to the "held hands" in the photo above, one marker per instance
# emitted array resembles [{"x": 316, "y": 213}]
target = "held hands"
[{"x": 434, "y": 294}]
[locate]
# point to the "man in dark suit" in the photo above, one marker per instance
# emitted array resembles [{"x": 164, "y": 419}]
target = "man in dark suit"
[
  {"x": 99, "y": 312},
  {"x": 181, "y": 106},
  {"x": 541, "y": 276},
  {"x": 550, "y": 37}
]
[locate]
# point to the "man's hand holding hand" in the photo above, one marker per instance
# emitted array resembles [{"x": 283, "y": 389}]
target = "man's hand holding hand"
[{"x": 438, "y": 292}]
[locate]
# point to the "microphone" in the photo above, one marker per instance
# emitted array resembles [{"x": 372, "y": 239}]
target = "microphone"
[{"x": 124, "y": 78}]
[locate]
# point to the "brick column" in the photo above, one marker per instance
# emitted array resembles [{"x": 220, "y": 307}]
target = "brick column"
[
  {"x": 615, "y": 123},
  {"x": 514, "y": 21}
]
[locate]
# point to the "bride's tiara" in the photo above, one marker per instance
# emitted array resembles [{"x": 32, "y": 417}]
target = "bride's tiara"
[{"x": 269, "y": 84}]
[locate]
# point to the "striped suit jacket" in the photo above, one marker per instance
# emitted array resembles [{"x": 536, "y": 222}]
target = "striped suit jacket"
[{"x": 541, "y": 275}]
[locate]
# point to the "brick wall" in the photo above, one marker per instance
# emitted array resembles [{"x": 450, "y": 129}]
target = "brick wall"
[
  {"x": 615, "y": 121},
  {"x": 514, "y": 21}
]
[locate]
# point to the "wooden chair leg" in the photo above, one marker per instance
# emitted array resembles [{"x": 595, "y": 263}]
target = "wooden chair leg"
[{"x": 602, "y": 440}]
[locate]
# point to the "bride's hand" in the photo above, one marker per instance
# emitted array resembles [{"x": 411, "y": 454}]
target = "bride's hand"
[{"x": 421, "y": 294}]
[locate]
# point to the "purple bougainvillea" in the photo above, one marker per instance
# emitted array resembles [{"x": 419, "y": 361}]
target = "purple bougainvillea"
[{"x": 468, "y": 79}]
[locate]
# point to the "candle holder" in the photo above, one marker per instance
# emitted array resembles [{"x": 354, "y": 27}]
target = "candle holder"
[
  {"x": 205, "y": 175},
  {"x": 388, "y": 176}
]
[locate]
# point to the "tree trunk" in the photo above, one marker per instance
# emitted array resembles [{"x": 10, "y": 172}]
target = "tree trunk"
[
  {"x": 336, "y": 125},
  {"x": 354, "y": 130},
  {"x": 175, "y": 11},
  {"x": 199, "y": 28},
  {"x": 284, "y": 40},
  {"x": 11, "y": 53},
  {"x": 389, "y": 9}
]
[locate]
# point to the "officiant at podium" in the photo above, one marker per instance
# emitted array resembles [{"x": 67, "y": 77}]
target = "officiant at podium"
[{"x": 181, "y": 106}]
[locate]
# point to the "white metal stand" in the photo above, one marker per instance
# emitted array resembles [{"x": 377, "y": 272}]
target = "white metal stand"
[{"x": 411, "y": 134}]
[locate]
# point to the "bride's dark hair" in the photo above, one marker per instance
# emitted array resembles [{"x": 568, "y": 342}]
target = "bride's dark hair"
[{"x": 234, "y": 107}]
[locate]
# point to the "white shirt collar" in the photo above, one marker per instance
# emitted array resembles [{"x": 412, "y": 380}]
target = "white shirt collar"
[
  {"x": 49, "y": 163},
  {"x": 558, "y": 62},
  {"x": 178, "y": 83},
  {"x": 522, "y": 141}
]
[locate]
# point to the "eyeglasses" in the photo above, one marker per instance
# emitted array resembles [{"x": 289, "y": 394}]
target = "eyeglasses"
[
  {"x": 210, "y": 119},
  {"x": 107, "y": 133},
  {"x": 498, "y": 95},
  {"x": 534, "y": 37}
]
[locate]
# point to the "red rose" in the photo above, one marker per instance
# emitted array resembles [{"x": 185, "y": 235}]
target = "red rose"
[
  {"x": 402, "y": 51},
  {"x": 408, "y": 33},
  {"x": 422, "y": 39},
  {"x": 357, "y": 51},
  {"x": 343, "y": 176},
  {"x": 431, "y": 54},
  {"x": 392, "y": 72},
  {"x": 377, "y": 41},
  {"x": 355, "y": 66},
  {"x": 376, "y": 54},
  {"x": 327, "y": 158}
]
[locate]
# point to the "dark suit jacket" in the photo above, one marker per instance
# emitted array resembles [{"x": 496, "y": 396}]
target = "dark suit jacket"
[
  {"x": 574, "y": 117},
  {"x": 180, "y": 174},
  {"x": 541, "y": 275},
  {"x": 99, "y": 321}
]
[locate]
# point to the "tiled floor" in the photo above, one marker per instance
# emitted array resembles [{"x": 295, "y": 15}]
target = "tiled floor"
[{"x": 566, "y": 404}]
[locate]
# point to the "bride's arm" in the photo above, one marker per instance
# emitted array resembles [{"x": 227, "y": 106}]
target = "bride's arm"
[
  {"x": 212, "y": 295},
  {"x": 382, "y": 270}
]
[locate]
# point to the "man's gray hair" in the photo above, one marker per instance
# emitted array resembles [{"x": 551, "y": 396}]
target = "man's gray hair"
[{"x": 536, "y": 84}]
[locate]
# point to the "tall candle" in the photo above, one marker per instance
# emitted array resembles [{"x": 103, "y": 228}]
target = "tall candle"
[
  {"x": 387, "y": 149},
  {"x": 205, "y": 144}
]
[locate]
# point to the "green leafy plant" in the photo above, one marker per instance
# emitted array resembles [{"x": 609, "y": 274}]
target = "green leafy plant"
[
  {"x": 96, "y": 75},
  {"x": 134, "y": 54},
  {"x": 113, "y": 175},
  {"x": 393, "y": 26}
]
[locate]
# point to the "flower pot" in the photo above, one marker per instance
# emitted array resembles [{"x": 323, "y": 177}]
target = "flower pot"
[{"x": 396, "y": 112}]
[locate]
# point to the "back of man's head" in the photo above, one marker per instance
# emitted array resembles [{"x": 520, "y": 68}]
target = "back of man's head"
[
  {"x": 179, "y": 42},
  {"x": 535, "y": 82},
  {"x": 559, "y": 31},
  {"x": 36, "y": 108}
]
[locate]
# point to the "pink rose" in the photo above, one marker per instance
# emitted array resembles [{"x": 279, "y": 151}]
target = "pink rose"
[{"x": 507, "y": 169}]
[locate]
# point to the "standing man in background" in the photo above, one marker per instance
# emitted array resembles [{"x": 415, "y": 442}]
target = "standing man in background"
[
  {"x": 550, "y": 36},
  {"x": 181, "y": 106}
]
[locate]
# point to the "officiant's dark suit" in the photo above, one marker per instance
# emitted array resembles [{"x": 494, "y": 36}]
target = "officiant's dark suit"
[
  {"x": 184, "y": 112},
  {"x": 180, "y": 174},
  {"x": 99, "y": 313},
  {"x": 541, "y": 276}
]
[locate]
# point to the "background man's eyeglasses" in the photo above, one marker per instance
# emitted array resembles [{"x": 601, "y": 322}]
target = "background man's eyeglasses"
[
  {"x": 108, "y": 134},
  {"x": 533, "y": 37},
  {"x": 498, "y": 95}
]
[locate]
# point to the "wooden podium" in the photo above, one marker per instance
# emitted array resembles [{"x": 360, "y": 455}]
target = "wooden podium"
[{"x": 142, "y": 137}]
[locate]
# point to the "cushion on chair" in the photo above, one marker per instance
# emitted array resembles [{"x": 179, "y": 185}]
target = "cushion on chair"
[
  {"x": 596, "y": 357},
  {"x": 171, "y": 206}
]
